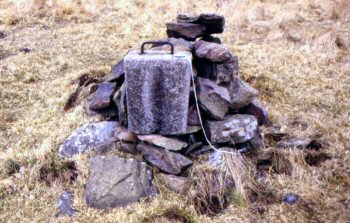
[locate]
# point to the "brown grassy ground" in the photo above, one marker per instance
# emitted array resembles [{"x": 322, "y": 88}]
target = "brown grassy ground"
[{"x": 295, "y": 52}]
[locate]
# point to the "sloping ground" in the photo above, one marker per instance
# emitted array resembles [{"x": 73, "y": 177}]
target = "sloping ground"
[{"x": 295, "y": 52}]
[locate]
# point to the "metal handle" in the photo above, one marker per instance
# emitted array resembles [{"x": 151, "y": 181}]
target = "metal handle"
[{"x": 158, "y": 43}]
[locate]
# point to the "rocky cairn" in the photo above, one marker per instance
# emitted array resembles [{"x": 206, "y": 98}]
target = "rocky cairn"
[{"x": 229, "y": 107}]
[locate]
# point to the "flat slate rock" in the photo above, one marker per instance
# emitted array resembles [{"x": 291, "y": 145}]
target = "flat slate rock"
[
  {"x": 213, "y": 98},
  {"x": 103, "y": 95},
  {"x": 212, "y": 51},
  {"x": 168, "y": 162},
  {"x": 179, "y": 185},
  {"x": 117, "y": 72},
  {"x": 241, "y": 93},
  {"x": 116, "y": 182},
  {"x": 65, "y": 204},
  {"x": 91, "y": 136},
  {"x": 188, "y": 31},
  {"x": 227, "y": 70},
  {"x": 233, "y": 128},
  {"x": 164, "y": 142}
]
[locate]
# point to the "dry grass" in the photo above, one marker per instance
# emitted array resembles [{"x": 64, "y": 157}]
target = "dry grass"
[{"x": 295, "y": 52}]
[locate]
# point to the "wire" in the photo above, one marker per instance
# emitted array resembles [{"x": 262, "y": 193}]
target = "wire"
[{"x": 200, "y": 120}]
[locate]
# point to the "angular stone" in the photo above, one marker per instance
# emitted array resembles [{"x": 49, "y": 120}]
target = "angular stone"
[
  {"x": 102, "y": 96},
  {"x": 299, "y": 143},
  {"x": 241, "y": 93},
  {"x": 290, "y": 198},
  {"x": 234, "y": 128},
  {"x": 214, "y": 99},
  {"x": 213, "y": 23},
  {"x": 227, "y": 70},
  {"x": 188, "y": 31},
  {"x": 119, "y": 100},
  {"x": 158, "y": 86},
  {"x": 211, "y": 39},
  {"x": 65, "y": 204},
  {"x": 205, "y": 68},
  {"x": 256, "y": 109},
  {"x": 193, "y": 119},
  {"x": 117, "y": 72},
  {"x": 193, "y": 129},
  {"x": 185, "y": 18},
  {"x": 122, "y": 134},
  {"x": 91, "y": 136},
  {"x": 180, "y": 185},
  {"x": 169, "y": 162},
  {"x": 211, "y": 51},
  {"x": 116, "y": 182},
  {"x": 126, "y": 147},
  {"x": 164, "y": 142}
]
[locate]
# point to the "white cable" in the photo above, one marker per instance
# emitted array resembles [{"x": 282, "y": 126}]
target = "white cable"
[{"x": 200, "y": 120}]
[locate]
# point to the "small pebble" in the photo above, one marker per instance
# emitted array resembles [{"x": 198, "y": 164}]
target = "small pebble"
[
  {"x": 290, "y": 198},
  {"x": 24, "y": 50}
]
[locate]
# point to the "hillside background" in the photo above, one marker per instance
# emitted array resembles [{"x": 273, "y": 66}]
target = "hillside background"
[{"x": 295, "y": 52}]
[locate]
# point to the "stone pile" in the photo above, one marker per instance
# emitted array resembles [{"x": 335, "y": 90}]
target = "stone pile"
[{"x": 229, "y": 107}]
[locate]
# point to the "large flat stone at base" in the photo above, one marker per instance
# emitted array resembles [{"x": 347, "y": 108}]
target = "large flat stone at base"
[
  {"x": 91, "y": 136},
  {"x": 234, "y": 128},
  {"x": 115, "y": 182}
]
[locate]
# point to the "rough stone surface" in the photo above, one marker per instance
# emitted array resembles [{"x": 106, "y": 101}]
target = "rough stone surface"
[
  {"x": 213, "y": 23},
  {"x": 256, "y": 109},
  {"x": 168, "y": 162},
  {"x": 299, "y": 143},
  {"x": 211, "y": 51},
  {"x": 214, "y": 99},
  {"x": 180, "y": 185},
  {"x": 193, "y": 119},
  {"x": 115, "y": 182},
  {"x": 241, "y": 93},
  {"x": 119, "y": 99},
  {"x": 91, "y": 136},
  {"x": 122, "y": 134},
  {"x": 65, "y": 204},
  {"x": 126, "y": 147},
  {"x": 193, "y": 129},
  {"x": 102, "y": 96},
  {"x": 164, "y": 142},
  {"x": 227, "y": 70},
  {"x": 117, "y": 72},
  {"x": 158, "y": 86},
  {"x": 234, "y": 128},
  {"x": 188, "y": 31}
]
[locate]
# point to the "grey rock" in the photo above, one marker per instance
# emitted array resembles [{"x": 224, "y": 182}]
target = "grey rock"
[
  {"x": 188, "y": 31},
  {"x": 211, "y": 51},
  {"x": 126, "y": 147},
  {"x": 92, "y": 136},
  {"x": 122, "y": 134},
  {"x": 164, "y": 142},
  {"x": 193, "y": 147},
  {"x": 102, "y": 96},
  {"x": 227, "y": 70},
  {"x": 193, "y": 119},
  {"x": 290, "y": 198},
  {"x": 180, "y": 185},
  {"x": 65, "y": 204},
  {"x": 116, "y": 182},
  {"x": 193, "y": 129},
  {"x": 185, "y": 18},
  {"x": 241, "y": 93},
  {"x": 119, "y": 99},
  {"x": 256, "y": 109},
  {"x": 117, "y": 72},
  {"x": 168, "y": 162},
  {"x": 213, "y": 98},
  {"x": 158, "y": 86},
  {"x": 299, "y": 143},
  {"x": 213, "y": 23},
  {"x": 234, "y": 128}
]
